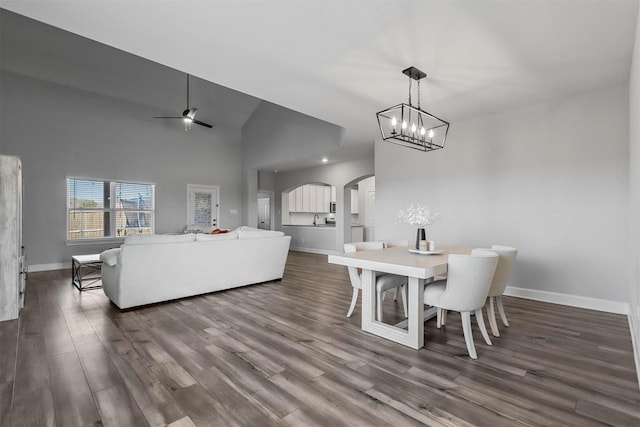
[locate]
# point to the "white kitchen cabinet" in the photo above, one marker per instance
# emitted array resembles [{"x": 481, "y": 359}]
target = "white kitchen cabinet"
[
  {"x": 306, "y": 198},
  {"x": 314, "y": 206},
  {"x": 310, "y": 198},
  {"x": 299, "y": 206},
  {"x": 292, "y": 201}
]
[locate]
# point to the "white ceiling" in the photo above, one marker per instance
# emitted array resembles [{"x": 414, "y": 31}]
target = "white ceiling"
[{"x": 341, "y": 61}]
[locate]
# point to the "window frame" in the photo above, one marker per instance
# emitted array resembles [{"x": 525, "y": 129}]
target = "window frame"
[{"x": 112, "y": 210}]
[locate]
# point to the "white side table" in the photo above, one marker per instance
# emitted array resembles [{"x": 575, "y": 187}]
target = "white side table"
[{"x": 87, "y": 268}]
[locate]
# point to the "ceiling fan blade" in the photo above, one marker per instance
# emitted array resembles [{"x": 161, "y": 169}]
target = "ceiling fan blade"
[{"x": 198, "y": 122}]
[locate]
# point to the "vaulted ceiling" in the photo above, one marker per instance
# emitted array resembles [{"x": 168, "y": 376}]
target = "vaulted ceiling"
[{"x": 341, "y": 61}]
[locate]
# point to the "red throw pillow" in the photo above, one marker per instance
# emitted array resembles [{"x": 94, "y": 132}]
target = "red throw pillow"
[{"x": 220, "y": 231}]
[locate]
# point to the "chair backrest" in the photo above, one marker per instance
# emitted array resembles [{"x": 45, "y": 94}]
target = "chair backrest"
[
  {"x": 469, "y": 278},
  {"x": 395, "y": 243},
  {"x": 507, "y": 256},
  {"x": 354, "y": 276}
]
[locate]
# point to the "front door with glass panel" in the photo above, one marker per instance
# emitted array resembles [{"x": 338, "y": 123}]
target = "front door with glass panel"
[{"x": 202, "y": 207}]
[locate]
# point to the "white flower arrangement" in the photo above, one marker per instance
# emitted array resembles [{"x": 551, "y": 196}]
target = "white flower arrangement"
[{"x": 418, "y": 214}]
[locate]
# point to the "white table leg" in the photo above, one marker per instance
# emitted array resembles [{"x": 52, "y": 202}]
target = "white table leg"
[
  {"x": 416, "y": 312},
  {"x": 412, "y": 337},
  {"x": 368, "y": 297}
]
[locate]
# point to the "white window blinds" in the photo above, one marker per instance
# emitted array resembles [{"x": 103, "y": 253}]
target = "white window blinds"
[{"x": 105, "y": 209}]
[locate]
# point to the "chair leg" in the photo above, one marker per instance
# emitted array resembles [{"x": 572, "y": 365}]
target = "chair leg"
[
  {"x": 354, "y": 300},
  {"x": 483, "y": 328},
  {"x": 395, "y": 295},
  {"x": 403, "y": 291},
  {"x": 501, "y": 310},
  {"x": 380, "y": 298},
  {"x": 438, "y": 317},
  {"x": 468, "y": 334},
  {"x": 491, "y": 314},
  {"x": 444, "y": 316}
]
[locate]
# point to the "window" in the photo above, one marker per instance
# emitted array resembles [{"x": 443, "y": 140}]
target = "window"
[{"x": 108, "y": 209}]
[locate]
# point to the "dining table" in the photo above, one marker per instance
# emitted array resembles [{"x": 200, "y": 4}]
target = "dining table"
[{"x": 419, "y": 267}]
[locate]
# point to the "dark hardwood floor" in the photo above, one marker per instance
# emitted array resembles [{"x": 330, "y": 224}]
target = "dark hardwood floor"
[{"x": 283, "y": 353}]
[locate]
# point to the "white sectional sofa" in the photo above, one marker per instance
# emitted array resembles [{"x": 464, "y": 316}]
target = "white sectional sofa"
[{"x": 152, "y": 268}]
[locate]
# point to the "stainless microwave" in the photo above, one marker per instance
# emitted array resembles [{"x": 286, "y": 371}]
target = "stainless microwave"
[{"x": 332, "y": 207}]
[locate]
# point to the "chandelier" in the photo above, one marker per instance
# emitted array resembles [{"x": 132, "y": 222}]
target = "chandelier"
[{"x": 410, "y": 126}]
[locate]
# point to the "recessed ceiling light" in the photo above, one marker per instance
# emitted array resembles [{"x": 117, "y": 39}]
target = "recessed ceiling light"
[
  {"x": 325, "y": 160},
  {"x": 275, "y": 170}
]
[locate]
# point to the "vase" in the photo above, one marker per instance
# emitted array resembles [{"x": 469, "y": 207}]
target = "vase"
[{"x": 422, "y": 235}]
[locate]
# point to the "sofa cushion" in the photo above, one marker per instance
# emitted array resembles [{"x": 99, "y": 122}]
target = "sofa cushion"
[
  {"x": 144, "y": 239},
  {"x": 110, "y": 256},
  {"x": 232, "y": 235},
  {"x": 246, "y": 228},
  {"x": 199, "y": 228},
  {"x": 258, "y": 234}
]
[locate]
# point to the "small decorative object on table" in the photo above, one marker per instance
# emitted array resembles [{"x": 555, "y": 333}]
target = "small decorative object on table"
[{"x": 420, "y": 215}]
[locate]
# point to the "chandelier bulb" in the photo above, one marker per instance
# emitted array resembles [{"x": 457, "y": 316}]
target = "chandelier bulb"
[
  {"x": 394, "y": 121},
  {"x": 413, "y": 128},
  {"x": 404, "y": 124},
  {"x": 423, "y": 131}
]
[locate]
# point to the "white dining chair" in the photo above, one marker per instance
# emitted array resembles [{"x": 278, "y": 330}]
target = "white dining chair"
[
  {"x": 394, "y": 244},
  {"x": 384, "y": 281},
  {"x": 465, "y": 290},
  {"x": 507, "y": 256}
]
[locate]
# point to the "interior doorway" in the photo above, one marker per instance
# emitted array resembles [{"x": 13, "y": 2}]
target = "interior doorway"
[
  {"x": 360, "y": 207},
  {"x": 264, "y": 216},
  {"x": 265, "y": 210}
]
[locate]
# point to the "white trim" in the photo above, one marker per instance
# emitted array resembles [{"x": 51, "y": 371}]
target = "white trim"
[
  {"x": 48, "y": 267},
  {"x": 126, "y": 181},
  {"x": 570, "y": 300},
  {"x": 636, "y": 346},
  {"x": 96, "y": 241},
  {"x": 314, "y": 251}
]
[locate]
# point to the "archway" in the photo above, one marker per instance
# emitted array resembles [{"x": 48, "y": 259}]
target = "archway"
[{"x": 359, "y": 209}]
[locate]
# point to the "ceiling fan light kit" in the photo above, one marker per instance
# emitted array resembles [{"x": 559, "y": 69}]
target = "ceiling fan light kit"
[
  {"x": 410, "y": 126},
  {"x": 188, "y": 115}
]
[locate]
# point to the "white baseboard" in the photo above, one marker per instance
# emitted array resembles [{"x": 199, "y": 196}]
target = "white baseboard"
[
  {"x": 635, "y": 344},
  {"x": 313, "y": 250},
  {"x": 570, "y": 300},
  {"x": 47, "y": 267}
]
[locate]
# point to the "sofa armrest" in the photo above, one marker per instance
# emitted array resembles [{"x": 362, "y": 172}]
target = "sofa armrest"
[{"x": 110, "y": 256}]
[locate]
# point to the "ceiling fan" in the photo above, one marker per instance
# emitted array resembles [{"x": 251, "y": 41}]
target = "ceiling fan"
[{"x": 188, "y": 115}]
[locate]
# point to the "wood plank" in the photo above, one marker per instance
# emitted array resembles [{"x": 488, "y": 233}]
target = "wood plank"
[
  {"x": 118, "y": 409},
  {"x": 72, "y": 397},
  {"x": 34, "y": 409},
  {"x": 202, "y": 408},
  {"x": 32, "y": 368},
  {"x": 284, "y": 353},
  {"x": 8, "y": 354}
]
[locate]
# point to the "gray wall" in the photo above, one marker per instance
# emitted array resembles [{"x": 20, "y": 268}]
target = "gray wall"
[
  {"x": 550, "y": 179},
  {"x": 274, "y": 136},
  {"x": 59, "y": 131},
  {"x": 338, "y": 175},
  {"x": 634, "y": 194}
]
